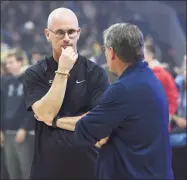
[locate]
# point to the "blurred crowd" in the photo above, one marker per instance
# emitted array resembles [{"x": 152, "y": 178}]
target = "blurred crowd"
[{"x": 23, "y": 43}]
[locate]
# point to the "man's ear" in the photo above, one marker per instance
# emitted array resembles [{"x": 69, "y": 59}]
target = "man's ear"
[
  {"x": 112, "y": 53},
  {"x": 47, "y": 35},
  {"x": 79, "y": 32}
]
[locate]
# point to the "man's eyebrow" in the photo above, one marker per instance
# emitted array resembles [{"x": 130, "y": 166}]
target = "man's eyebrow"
[{"x": 65, "y": 29}]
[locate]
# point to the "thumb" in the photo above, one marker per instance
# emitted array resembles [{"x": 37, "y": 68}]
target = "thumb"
[
  {"x": 62, "y": 49},
  {"x": 75, "y": 57}
]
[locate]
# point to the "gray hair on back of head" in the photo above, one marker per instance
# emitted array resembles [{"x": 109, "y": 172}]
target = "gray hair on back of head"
[{"x": 126, "y": 40}]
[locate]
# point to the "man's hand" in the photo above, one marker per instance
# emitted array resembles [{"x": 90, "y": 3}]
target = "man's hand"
[
  {"x": 67, "y": 59},
  {"x": 181, "y": 122},
  {"x": 100, "y": 143},
  {"x": 20, "y": 136},
  {"x": 2, "y": 139}
]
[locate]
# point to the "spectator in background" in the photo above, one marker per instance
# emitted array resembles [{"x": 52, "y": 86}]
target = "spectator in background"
[
  {"x": 4, "y": 71},
  {"x": 158, "y": 53},
  {"x": 4, "y": 172},
  {"x": 36, "y": 56},
  {"x": 16, "y": 121},
  {"x": 178, "y": 138},
  {"x": 182, "y": 86},
  {"x": 165, "y": 78}
]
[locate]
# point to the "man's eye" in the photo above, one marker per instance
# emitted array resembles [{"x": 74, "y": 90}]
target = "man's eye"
[
  {"x": 60, "y": 32},
  {"x": 71, "y": 31}
]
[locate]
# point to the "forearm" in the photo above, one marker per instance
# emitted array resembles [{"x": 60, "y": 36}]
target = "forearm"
[
  {"x": 68, "y": 127},
  {"x": 50, "y": 104},
  {"x": 68, "y": 123}
]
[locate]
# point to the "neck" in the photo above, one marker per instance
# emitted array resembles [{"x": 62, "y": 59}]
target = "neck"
[
  {"x": 121, "y": 68},
  {"x": 18, "y": 73},
  {"x": 153, "y": 63}
]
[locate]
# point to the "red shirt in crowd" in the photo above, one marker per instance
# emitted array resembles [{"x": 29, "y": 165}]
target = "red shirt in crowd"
[{"x": 169, "y": 85}]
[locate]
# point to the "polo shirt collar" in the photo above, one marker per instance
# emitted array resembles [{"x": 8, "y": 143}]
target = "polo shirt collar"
[{"x": 138, "y": 65}]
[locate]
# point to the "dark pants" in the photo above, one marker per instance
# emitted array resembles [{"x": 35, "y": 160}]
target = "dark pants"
[
  {"x": 4, "y": 172},
  {"x": 18, "y": 156},
  {"x": 179, "y": 162}
]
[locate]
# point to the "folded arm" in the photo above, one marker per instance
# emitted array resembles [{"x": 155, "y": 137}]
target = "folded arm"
[
  {"x": 68, "y": 123},
  {"x": 45, "y": 105},
  {"x": 49, "y": 105},
  {"x": 105, "y": 117}
]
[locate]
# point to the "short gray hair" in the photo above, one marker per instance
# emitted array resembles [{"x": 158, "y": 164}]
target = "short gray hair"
[{"x": 126, "y": 40}]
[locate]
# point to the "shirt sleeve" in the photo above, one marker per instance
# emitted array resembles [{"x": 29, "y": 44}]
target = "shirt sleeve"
[
  {"x": 98, "y": 83},
  {"x": 34, "y": 89},
  {"x": 172, "y": 93},
  {"x": 105, "y": 117}
]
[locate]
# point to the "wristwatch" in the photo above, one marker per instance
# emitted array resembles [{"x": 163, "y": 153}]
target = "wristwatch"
[{"x": 54, "y": 123}]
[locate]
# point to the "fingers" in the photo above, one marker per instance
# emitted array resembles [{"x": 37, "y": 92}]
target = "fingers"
[
  {"x": 100, "y": 143},
  {"x": 68, "y": 50},
  {"x": 75, "y": 56},
  {"x": 67, "y": 59},
  {"x": 103, "y": 141}
]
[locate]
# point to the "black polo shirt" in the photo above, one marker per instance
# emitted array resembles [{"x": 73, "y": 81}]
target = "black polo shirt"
[{"x": 57, "y": 153}]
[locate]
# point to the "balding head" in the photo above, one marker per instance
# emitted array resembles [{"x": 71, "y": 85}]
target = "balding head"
[
  {"x": 62, "y": 30},
  {"x": 62, "y": 13}
]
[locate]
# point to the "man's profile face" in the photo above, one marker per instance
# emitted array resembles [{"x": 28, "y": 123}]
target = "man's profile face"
[
  {"x": 58, "y": 27},
  {"x": 110, "y": 63}
]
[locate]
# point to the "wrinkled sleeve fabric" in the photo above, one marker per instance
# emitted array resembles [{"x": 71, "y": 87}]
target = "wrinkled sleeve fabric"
[
  {"x": 34, "y": 89},
  {"x": 105, "y": 117}
]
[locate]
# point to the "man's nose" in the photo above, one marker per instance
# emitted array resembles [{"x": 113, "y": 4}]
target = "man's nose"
[{"x": 66, "y": 37}]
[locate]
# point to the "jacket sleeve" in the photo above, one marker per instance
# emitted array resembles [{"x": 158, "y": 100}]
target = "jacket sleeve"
[{"x": 105, "y": 117}]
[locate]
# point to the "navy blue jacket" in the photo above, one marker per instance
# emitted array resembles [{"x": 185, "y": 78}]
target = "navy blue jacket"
[
  {"x": 134, "y": 114},
  {"x": 14, "y": 114}
]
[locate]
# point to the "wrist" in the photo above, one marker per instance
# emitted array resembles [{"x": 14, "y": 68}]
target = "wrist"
[
  {"x": 62, "y": 73},
  {"x": 58, "y": 123},
  {"x": 63, "y": 70},
  {"x": 22, "y": 128},
  {"x": 55, "y": 121}
]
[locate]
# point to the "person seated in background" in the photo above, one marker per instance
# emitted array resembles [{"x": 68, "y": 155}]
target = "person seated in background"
[
  {"x": 178, "y": 138},
  {"x": 36, "y": 56},
  {"x": 165, "y": 78},
  {"x": 180, "y": 80}
]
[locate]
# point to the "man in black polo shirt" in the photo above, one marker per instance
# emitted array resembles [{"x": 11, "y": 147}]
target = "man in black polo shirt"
[{"x": 54, "y": 88}]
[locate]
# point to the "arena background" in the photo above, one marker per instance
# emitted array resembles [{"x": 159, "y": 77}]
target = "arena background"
[{"x": 162, "y": 22}]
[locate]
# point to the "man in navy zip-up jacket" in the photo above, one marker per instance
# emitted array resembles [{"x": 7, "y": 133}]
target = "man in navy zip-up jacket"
[{"x": 133, "y": 113}]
